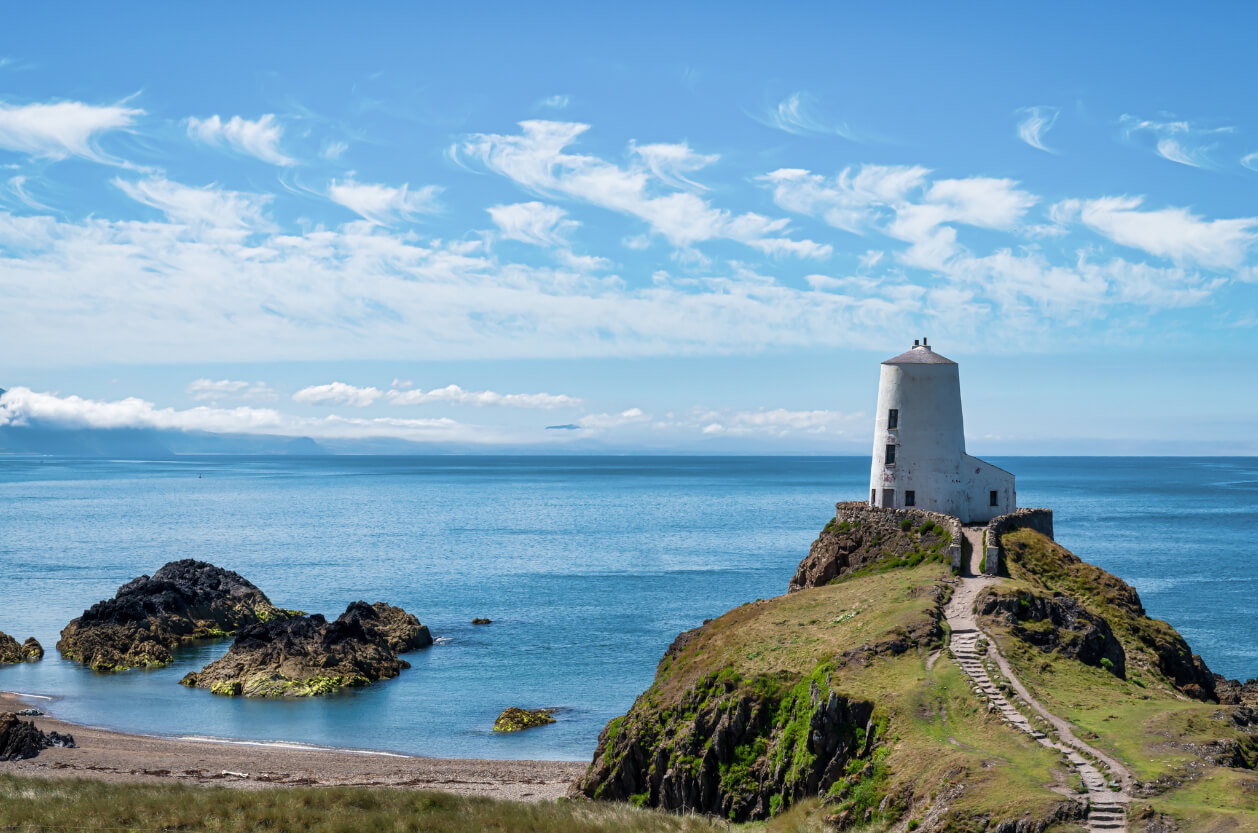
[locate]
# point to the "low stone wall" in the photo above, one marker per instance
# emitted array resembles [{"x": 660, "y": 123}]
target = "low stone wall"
[
  {"x": 1041, "y": 520},
  {"x": 854, "y": 510}
]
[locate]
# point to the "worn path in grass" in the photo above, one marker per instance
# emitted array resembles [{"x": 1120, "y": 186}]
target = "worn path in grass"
[
  {"x": 116, "y": 756},
  {"x": 1107, "y": 807}
]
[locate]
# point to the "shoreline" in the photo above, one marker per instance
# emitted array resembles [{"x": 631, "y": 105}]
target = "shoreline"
[{"x": 108, "y": 755}]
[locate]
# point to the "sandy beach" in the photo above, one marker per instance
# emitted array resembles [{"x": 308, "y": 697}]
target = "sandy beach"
[{"x": 116, "y": 756}]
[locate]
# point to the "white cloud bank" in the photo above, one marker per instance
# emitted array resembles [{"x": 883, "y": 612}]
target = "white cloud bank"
[
  {"x": 62, "y": 129},
  {"x": 22, "y": 406},
  {"x": 340, "y": 393},
  {"x": 259, "y": 138},
  {"x": 1173, "y": 233}
]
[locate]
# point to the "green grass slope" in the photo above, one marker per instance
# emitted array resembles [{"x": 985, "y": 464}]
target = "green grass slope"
[
  {"x": 829, "y": 691},
  {"x": 1194, "y": 758}
]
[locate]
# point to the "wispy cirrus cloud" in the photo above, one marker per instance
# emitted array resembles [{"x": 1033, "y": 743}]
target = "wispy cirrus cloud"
[
  {"x": 537, "y": 159},
  {"x": 62, "y": 129},
  {"x": 1175, "y": 141},
  {"x": 555, "y": 102},
  {"x": 1172, "y": 233},
  {"x": 340, "y": 393},
  {"x": 259, "y": 138},
  {"x": 209, "y": 390},
  {"x": 385, "y": 204},
  {"x": 533, "y": 222},
  {"x": 1250, "y": 161},
  {"x": 210, "y": 207},
  {"x": 1034, "y": 124},
  {"x": 797, "y": 114}
]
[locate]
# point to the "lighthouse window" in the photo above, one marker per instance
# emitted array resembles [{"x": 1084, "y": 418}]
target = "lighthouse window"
[
  {"x": 910, "y": 498},
  {"x": 994, "y": 498},
  {"x": 893, "y": 418},
  {"x": 890, "y": 455}
]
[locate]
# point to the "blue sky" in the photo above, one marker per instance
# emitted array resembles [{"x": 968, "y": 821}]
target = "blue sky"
[{"x": 677, "y": 227}]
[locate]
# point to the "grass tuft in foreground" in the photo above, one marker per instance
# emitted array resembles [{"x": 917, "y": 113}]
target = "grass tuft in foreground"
[{"x": 36, "y": 805}]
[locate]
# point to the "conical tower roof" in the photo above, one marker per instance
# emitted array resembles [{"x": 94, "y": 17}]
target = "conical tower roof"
[{"x": 919, "y": 354}]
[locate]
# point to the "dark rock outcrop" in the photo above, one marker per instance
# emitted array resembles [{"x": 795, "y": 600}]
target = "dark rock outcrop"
[
  {"x": 23, "y": 739},
  {"x": 860, "y": 537},
  {"x": 517, "y": 720},
  {"x": 480, "y": 620},
  {"x": 307, "y": 655},
  {"x": 11, "y": 651},
  {"x": 150, "y": 615},
  {"x": 1236, "y": 693},
  {"x": 1059, "y": 624}
]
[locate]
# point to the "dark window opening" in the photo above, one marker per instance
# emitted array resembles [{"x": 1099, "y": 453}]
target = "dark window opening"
[
  {"x": 893, "y": 418},
  {"x": 994, "y": 498},
  {"x": 910, "y": 498},
  {"x": 888, "y": 498},
  {"x": 873, "y": 497},
  {"x": 890, "y": 455}
]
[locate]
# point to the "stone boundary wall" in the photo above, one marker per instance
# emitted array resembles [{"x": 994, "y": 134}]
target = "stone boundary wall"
[
  {"x": 853, "y": 510},
  {"x": 1041, "y": 520}
]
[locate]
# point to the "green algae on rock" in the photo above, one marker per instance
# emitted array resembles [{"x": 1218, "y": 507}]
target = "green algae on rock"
[
  {"x": 183, "y": 601},
  {"x": 11, "y": 652},
  {"x": 308, "y": 656},
  {"x": 517, "y": 720}
]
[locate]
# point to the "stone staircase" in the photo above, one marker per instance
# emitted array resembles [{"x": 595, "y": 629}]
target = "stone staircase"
[{"x": 1107, "y": 810}]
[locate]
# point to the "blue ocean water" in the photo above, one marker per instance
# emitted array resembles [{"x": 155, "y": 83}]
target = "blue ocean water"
[{"x": 589, "y": 566}]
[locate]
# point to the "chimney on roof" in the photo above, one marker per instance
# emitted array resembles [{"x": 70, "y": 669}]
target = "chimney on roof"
[
  {"x": 915, "y": 342},
  {"x": 924, "y": 344}
]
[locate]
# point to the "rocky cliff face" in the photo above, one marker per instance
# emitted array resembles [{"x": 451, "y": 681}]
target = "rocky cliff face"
[
  {"x": 861, "y": 538},
  {"x": 11, "y": 651},
  {"x": 151, "y": 614},
  {"x": 1061, "y": 624},
  {"x": 307, "y": 655}
]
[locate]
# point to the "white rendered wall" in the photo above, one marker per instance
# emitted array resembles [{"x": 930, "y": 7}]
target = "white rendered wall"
[
  {"x": 930, "y": 447},
  {"x": 930, "y": 439},
  {"x": 982, "y": 478}
]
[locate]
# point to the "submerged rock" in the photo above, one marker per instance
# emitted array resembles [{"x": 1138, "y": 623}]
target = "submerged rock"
[
  {"x": 22, "y": 739},
  {"x": 482, "y": 621},
  {"x": 149, "y": 615},
  {"x": 11, "y": 651},
  {"x": 517, "y": 720},
  {"x": 308, "y": 656}
]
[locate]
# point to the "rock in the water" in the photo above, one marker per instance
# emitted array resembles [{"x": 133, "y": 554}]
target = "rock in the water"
[
  {"x": 308, "y": 656},
  {"x": 400, "y": 630},
  {"x": 11, "y": 651},
  {"x": 517, "y": 720},
  {"x": 22, "y": 739},
  {"x": 482, "y": 621},
  {"x": 184, "y": 600}
]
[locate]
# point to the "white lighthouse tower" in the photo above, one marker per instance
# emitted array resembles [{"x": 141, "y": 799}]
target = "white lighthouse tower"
[{"x": 919, "y": 444}]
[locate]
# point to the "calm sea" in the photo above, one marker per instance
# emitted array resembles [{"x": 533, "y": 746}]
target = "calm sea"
[{"x": 589, "y": 566}]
